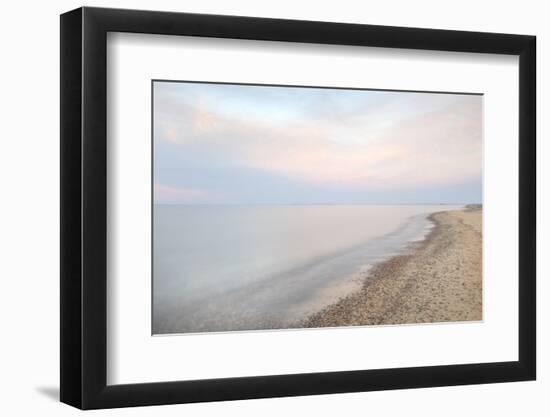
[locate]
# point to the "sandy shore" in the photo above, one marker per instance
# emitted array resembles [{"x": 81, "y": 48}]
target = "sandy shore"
[{"x": 438, "y": 280}]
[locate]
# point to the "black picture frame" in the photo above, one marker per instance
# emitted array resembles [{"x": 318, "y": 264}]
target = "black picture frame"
[{"x": 84, "y": 207}]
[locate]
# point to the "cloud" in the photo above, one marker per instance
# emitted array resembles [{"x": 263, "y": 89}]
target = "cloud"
[
  {"x": 403, "y": 139},
  {"x": 165, "y": 194}
]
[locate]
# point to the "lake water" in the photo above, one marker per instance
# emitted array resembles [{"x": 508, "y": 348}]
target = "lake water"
[{"x": 222, "y": 268}]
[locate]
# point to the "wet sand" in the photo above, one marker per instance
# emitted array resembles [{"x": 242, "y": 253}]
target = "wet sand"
[{"x": 437, "y": 280}]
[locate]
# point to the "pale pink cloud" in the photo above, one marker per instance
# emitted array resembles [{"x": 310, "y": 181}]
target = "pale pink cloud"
[
  {"x": 438, "y": 147},
  {"x": 166, "y": 194}
]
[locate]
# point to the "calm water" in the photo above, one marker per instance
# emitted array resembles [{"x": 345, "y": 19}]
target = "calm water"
[{"x": 245, "y": 268}]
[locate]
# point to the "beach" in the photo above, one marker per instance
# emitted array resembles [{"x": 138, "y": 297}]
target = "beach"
[
  {"x": 436, "y": 280},
  {"x": 222, "y": 268}
]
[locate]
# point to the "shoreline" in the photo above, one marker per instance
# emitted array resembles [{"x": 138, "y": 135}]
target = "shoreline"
[{"x": 438, "y": 279}]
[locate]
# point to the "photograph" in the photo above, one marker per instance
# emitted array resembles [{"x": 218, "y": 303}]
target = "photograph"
[
  {"x": 280, "y": 204},
  {"x": 290, "y": 207}
]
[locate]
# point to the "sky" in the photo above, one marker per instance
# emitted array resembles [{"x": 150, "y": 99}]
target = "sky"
[{"x": 251, "y": 144}]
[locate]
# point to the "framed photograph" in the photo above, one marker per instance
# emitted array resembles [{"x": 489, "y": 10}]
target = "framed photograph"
[{"x": 257, "y": 208}]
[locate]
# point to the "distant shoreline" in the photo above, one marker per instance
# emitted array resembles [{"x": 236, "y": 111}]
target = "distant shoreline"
[{"x": 437, "y": 280}]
